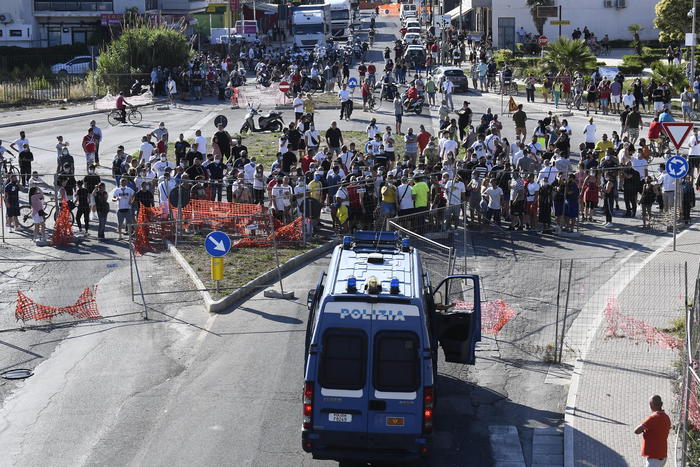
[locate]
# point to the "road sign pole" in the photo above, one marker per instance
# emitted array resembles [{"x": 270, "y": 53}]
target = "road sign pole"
[{"x": 675, "y": 214}]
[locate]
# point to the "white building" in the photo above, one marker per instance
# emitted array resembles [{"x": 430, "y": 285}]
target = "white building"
[
  {"x": 44, "y": 23},
  {"x": 502, "y": 18}
]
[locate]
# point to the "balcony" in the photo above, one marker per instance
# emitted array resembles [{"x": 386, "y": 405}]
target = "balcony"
[{"x": 76, "y": 5}]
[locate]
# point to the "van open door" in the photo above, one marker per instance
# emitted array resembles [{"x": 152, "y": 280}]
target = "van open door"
[{"x": 457, "y": 316}]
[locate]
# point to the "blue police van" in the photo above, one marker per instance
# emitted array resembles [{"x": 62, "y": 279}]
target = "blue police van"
[{"x": 374, "y": 326}]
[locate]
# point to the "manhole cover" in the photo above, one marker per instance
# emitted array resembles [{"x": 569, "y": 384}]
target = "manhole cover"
[{"x": 17, "y": 373}]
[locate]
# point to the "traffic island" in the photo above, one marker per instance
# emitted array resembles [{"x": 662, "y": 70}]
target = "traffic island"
[{"x": 247, "y": 270}]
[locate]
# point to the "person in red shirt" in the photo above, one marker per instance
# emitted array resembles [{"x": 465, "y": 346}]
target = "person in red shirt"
[
  {"x": 654, "y": 432},
  {"x": 296, "y": 82},
  {"x": 306, "y": 162},
  {"x": 371, "y": 74},
  {"x": 655, "y": 129},
  {"x": 423, "y": 139},
  {"x": 121, "y": 106},
  {"x": 366, "y": 92},
  {"x": 411, "y": 95}
]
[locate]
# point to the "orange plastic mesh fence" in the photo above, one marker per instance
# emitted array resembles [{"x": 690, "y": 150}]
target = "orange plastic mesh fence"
[
  {"x": 286, "y": 234},
  {"x": 63, "y": 230},
  {"x": 621, "y": 325},
  {"x": 494, "y": 314},
  {"x": 85, "y": 308}
]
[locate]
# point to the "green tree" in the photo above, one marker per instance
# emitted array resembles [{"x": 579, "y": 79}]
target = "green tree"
[
  {"x": 672, "y": 74},
  {"x": 539, "y": 22},
  {"x": 138, "y": 50},
  {"x": 569, "y": 54},
  {"x": 672, "y": 19},
  {"x": 635, "y": 29}
]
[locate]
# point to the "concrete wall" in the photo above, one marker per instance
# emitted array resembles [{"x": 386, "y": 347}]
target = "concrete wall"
[{"x": 592, "y": 13}]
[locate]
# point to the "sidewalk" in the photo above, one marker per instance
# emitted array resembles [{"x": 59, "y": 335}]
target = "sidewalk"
[
  {"x": 615, "y": 376},
  {"x": 12, "y": 117}
]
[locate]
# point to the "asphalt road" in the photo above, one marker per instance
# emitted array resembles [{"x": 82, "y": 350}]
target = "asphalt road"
[{"x": 187, "y": 388}]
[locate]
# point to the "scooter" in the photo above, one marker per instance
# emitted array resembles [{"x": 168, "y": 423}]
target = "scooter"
[
  {"x": 269, "y": 122},
  {"x": 415, "y": 106}
]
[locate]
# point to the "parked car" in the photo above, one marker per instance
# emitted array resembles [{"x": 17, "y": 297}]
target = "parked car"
[
  {"x": 457, "y": 76},
  {"x": 415, "y": 52},
  {"x": 412, "y": 23},
  {"x": 412, "y": 38},
  {"x": 76, "y": 66}
]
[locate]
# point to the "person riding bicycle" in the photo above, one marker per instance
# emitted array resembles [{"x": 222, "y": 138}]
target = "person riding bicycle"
[
  {"x": 506, "y": 76},
  {"x": 121, "y": 106},
  {"x": 655, "y": 129}
]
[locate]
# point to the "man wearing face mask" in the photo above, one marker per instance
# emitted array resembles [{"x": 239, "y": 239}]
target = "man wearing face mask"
[
  {"x": 90, "y": 181},
  {"x": 162, "y": 164},
  {"x": 161, "y": 133},
  {"x": 196, "y": 170},
  {"x": 216, "y": 176}
]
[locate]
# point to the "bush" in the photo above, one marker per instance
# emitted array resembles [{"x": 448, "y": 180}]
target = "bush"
[
  {"x": 632, "y": 65},
  {"x": 138, "y": 50},
  {"x": 503, "y": 56},
  {"x": 673, "y": 74}
]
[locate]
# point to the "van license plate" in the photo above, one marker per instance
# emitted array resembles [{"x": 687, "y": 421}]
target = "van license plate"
[
  {"x": 394, "y": 421},
  {"x": 340, "y": 417}
]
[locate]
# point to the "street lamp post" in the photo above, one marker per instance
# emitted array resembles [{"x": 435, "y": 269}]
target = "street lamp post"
[{"x": 692, "y": 47}]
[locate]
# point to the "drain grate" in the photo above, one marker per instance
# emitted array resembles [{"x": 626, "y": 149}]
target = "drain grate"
[{"x": 17, "y": 373}]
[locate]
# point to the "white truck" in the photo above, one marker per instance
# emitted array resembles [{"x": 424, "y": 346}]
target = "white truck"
[
  {"x": 341, "y": 20},
  {"x": 311, "y": 25}
]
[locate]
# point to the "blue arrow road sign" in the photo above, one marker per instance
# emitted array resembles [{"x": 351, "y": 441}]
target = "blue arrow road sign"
[
  {"x": 217, "y": 244},
  {"x": 352, "y": 83},
  {"x": 677, "y": 167}
]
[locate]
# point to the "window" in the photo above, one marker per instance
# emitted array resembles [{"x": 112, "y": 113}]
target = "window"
[
  {"x": 15, "y": 33},
  {"x": 396, "y": 362},
  {"x": 344, "y": 359},
  {"x": 340, "y": 15},
  {"x": 79, "y": 37},
  {"x": 308, "y": 28},
  {"x": 54, "y": 36}
]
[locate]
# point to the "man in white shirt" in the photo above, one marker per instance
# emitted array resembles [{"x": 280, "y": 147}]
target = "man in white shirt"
[
  {"x": 548, "y": 173},
  {"x": 694, "y": 151},
  {"x": 200, "y": 143},
  {"x": 249, "y": 171},
  {"x": 449, "y": 146},
  {"x": 518, "y": 154},
  {"x": 589, "y": 135},
  {"x": 161, "y": 131},
  {"x": 345, "y": 107},
  {"x": 123, "y": 195},
  {"x": 312, "y": 138},
  {"x": 454, "y": 192},
  {"x": 628, "y": 99},
  {"x": 668, "y": 187},
  {"x": 479, "y": 147},
  {"x": 493, "y": 196},
  {"x": 160, "y": 166},
  {"x": 640, "y": 165},
  {"x": 18, "y": 145},
  {"x": 405, "y": 196},
  {"x": 535, "y": 146},
  {"x": 491, "y": 141},
  {"x": 372, "y": 129},
  {"x": 447, "y": 88},
  {"x": 145, "y": 150},
  {"x": 298, "y": 104},
  {"x": 166, "y": 185}
]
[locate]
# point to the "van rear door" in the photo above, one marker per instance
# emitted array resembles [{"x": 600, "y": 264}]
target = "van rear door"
[
  {"x": 396, "y": 394},
  {"x": 457, "y": 314},
  {"x": 341, "y": 386}
]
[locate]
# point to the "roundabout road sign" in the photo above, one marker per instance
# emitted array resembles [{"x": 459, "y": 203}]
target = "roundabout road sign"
[
  {"x": 217, "y": 244},
  {"x": 352, "y": 83},
  {"x": 677, "y": 167}
]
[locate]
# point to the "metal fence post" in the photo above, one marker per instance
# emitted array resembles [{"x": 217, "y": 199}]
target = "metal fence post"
[
  {"x": 566, "y": 311},
  {"x": 556, "y": 322},
  {"x": 138, "y": 277},
  {"x": 277, "y": 256},
  {"x": 2, "y": 200},
  {"x": 131, "y": 262}
]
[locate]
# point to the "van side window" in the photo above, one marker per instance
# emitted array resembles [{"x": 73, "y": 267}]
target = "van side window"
[
  {"x": 396, "y": 361},
  {"x": 343, "y": 359}
]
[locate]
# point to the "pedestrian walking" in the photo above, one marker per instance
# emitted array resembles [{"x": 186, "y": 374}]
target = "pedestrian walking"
[
  {"x": 25, "y": 159},
  {"x": 12, "y": 190},
  {"x": 97, "y": 133},
  {"x": 36, "y": 200},
  {"x": 654, "y": 431},
  {"x": 102, "y": 204}
]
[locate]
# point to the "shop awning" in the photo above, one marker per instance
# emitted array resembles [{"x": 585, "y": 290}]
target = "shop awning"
[{"x": 468, "y": 5}]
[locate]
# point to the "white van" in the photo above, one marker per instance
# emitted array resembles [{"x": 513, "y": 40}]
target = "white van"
[{"x": 408, "y": 9}]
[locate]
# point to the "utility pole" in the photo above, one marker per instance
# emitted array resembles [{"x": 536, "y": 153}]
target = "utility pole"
[{"x": 692, "y": 47}]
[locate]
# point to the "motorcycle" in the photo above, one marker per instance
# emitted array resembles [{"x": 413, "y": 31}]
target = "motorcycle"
[
  {"x": 389, "y": 90},
  {"x": 415, "y": 106},
  {"x": 269, "y": 122},
  {"x": 264, "y": 79}
]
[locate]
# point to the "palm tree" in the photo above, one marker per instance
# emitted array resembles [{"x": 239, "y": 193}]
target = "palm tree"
[
  {"x": 671, "y": 74},
  {"x": 635, "y": 29},
  {"x": 569, "y": 54}
]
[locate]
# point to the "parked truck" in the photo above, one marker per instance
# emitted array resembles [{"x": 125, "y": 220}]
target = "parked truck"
[{"x": 311, "y": 25}]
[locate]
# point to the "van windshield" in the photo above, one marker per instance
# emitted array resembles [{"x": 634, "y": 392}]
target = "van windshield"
[
  {"x": 396, "y": 361},
  {"x": 340, "y": 14},
  {"x": 344, "y": 359},
  {"x": 308, "y": 28}
]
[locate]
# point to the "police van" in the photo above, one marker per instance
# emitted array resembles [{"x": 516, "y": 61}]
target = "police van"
[{"x": 374, "y": 325}]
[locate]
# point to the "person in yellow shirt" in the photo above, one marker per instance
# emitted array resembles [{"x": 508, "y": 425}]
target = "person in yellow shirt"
[
  {"x": 420, "y": 190},
  {"x": 388, "y": 205},
  {"x": 309, "y": 106},
  {"x": 602, "y": 146}
]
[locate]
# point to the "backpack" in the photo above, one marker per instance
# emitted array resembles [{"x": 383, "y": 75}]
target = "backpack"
[{"x": 116, "y": 166}]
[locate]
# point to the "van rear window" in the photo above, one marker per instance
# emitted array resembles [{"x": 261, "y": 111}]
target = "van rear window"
[
  {"x": 344, "y": 359},
  {"x": 396, "y": 361}
]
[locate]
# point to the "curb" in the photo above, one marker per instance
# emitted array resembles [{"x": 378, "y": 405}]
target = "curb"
[
  {"x": 51, "y": 119},
  {"x": 262, "y": 281}
]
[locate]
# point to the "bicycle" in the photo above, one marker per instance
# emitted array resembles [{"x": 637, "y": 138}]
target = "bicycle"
[
  {"x": 574, "y": 100},
  {"x": 373, "y": 103},
  {"x": 507, "y": 89},
  {"x": 25, "y": 213},
  {"x": 7, "y": 167},
  {"x": 133, "y": 115}
]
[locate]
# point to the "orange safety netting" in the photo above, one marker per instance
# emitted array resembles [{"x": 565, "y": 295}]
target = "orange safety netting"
[
  {"x": 389, "y": 9},
  {"x": 148, "y": 228},
  {"x": 84, "y": 308},
  {"x": 199, "y": 211},
  {"x": 693, "y": 403},
  {"x": 63, "y": 229},
  {"x": 285, "y": 234},
  {"x": 621, "y": 325},
  {"x": 494, "y": 314}
]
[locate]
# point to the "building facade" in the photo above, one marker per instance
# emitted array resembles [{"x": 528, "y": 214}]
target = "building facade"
[
  {"x": 611, "y": 17},
  {"x": 45, "y": 23}
]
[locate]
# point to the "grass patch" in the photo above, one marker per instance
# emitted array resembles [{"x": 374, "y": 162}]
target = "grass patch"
[
  {"x": 677, "y": 328},
  {"x": 240, "y": 265}
]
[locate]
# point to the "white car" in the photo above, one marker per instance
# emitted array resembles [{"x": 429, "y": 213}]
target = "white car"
[
  {"x": 412, "y": 38},
  {"x": 77, "y": 66},
  {"x": 412, "y": 23}
]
